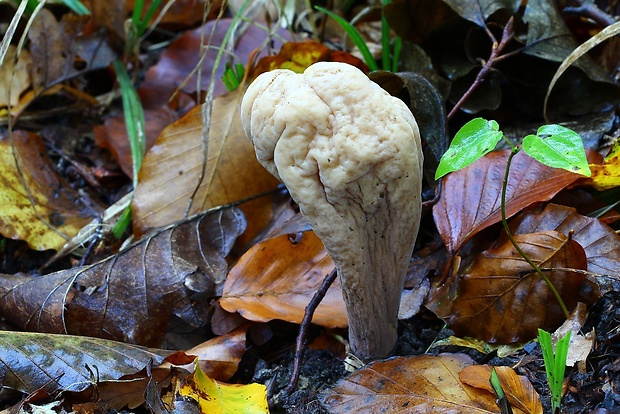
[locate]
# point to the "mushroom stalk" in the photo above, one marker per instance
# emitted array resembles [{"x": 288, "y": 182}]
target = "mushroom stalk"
[{"x": 350, "y": 155}]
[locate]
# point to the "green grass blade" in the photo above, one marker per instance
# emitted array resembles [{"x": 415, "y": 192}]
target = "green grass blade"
[
  {"x": 355, "y": 36},
  {"x": 77, "y": 6},
  {"x": 385, "y": 39}
]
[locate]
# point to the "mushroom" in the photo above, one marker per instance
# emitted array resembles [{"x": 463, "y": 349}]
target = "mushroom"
[{"x": 350, "y": 155}]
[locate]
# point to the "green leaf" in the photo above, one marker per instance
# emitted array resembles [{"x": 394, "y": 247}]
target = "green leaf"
[
  {"x": 475, "y": 139},
  {"x": 558, "y": 147}
]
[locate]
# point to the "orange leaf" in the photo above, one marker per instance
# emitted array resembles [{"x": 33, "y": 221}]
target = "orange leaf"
[
  {"x": 277, "y": 278},
  {"x": 418, "y": 384},
  {"x": 518, "y": 389}
]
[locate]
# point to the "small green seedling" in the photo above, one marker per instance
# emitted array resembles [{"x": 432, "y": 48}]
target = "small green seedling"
[
  {"x": 502, "y": 400},
  {"x": 136, "y": 132},
  {"x": 555, "y": 365},
  {"x": 553, "y": 145}
]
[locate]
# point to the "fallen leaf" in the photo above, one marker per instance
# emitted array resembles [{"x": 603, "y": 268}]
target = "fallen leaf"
[
  {"x": 14, "y": 75},
  {"x": 607, "y": 175},
  {"x": 415, "y": 384},
  {"x": 31, "y": 361},
  {"x": 518, "y": 389},
  {"x": 599, "y": 241},
  {"x": 36, "y": 205},
  {"x": 500, "y": 299},
  {"x": 218, "y": 357},
  {"x": 276, "y": 279},
  {"x": 471, "y": 198},
  {"x": 130, "y": 296},
  {"x": 172, "y": 169},
  {"x": 218, "y": 398},
  {"x": 580, "y": 345}
]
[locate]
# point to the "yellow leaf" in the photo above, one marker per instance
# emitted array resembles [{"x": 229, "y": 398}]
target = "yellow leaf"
[
  {"x": 35, "y": 204},
  {"x": 216, "y": 397},
  {"x": 607, "y": 175}
]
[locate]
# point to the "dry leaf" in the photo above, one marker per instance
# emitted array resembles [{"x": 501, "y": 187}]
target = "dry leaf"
[
  {"x": 500, "y": 299},
  {"x": 172, "y": 168},
  {"x": 418, "y": 384},
  {"x": 518, "y": 389},
  {"x": 15, "y": 75},
  {"x": 276, "y": 279},
  {"x": 46, "y": 212},
  {"x": 470, "y": 199},
  {"x": 130, "y": 296}
]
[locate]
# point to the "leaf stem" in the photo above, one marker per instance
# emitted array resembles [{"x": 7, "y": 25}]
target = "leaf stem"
[{"x": 515, "y": 151}]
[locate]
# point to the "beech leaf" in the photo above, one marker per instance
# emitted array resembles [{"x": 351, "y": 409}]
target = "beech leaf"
[
  {"x": 130, "y": 296},
  {"x": 470, "y": 200},
  {"x": 414, "y": 384},
  {"x": 502, "y": 300},
  {"x": 32, "y": 361}
]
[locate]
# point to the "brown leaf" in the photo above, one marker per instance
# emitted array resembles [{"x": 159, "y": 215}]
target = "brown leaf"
[
  {"x": 31, "y": 361},
  {"x": 45, "y": 212},
  {"x": 518, "y": 389},
  {"x": 418, "y": 384},
  {"x": 113, "y": 134},
  {"x": 172, "y": 169},
  {"x": 52, "y": 46},
  {"x": 599, "y": 241},
  {"x": 470, "y": 199},
  {"x": 130, "y": 296},
  {"x": 276, "y": 279},
  {"x": 501, "y": 299}
]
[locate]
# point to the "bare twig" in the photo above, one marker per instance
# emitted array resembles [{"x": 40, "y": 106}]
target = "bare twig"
[
  {"x": 302, "y": 337},
  {"x": 496, "y": 50}
]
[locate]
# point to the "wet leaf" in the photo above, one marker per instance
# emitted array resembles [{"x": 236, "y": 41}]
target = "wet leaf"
[
  {"x": 276, "y": 279},
  {"x": 36, "y": 205},
  {"x": 479, "y": 10},
  {"x": 172, "y": 170},
  {"x": 518, "y": 389},
  {"x": 130, "y": 296},
  {"x": 30, "y": 361},
  {"x": 470, "y": 200},
  {"x": 558, "y": 147},
  {"x": 500, "y": 299},
  {"x": 418, "y": 384},
  {"x": 218, "y": 398},
  {"x": 475, "y": 139}
]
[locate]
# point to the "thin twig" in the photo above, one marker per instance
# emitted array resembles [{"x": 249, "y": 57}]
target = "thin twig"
[
  {"x": 302, "y": 337},
  {"x": 497, "y": 48}
]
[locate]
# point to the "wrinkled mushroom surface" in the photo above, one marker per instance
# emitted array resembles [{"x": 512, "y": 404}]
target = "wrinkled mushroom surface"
[{"x": 350, "y": 155}]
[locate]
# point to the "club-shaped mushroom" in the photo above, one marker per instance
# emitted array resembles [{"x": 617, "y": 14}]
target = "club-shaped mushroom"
[{"x": 350, "y": 155}]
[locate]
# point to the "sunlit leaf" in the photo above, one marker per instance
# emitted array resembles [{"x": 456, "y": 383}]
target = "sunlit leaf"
[
  {"x": 558, "y": 147},
  {"x": 475, "y": 139},
  {"x": 215, "y": 397}
]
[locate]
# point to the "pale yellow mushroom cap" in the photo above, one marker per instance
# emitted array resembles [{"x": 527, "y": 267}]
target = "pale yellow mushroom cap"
[{"x": 350, "y": 155}]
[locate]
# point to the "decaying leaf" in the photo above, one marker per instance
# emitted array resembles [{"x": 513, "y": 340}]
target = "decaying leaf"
[
  {"x": 172, "y": 169},
  {"x": 417, "y": 384},
  {"x": 276, "y": 279},
  {"x": 30, "y": 361},
  {"x": 215, "y": 397},
  {"x": 518, "y": 389},
  {"x": 130, "y": 296},
  {"x": 36, "y": 205},
  {"x": 471, "y": 198},
  {"x": 607, "y": 175},
  {"x": 500, "y": 299}
]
